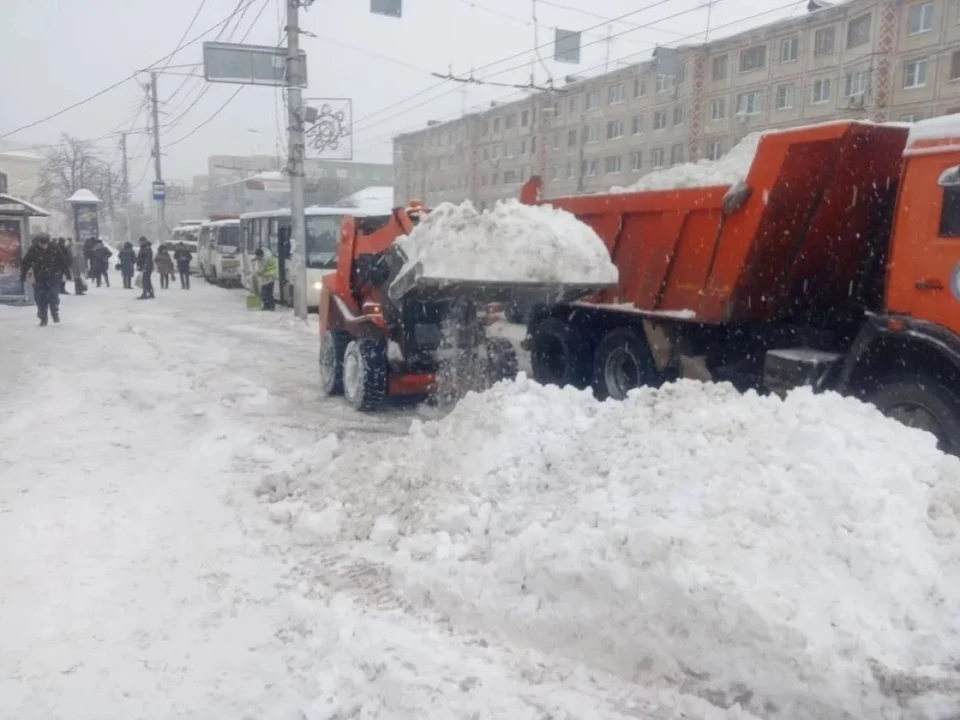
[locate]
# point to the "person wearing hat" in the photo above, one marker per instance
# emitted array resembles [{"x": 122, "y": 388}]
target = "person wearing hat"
[
  {"x": 145, "y": 266},
  {"x": 45, "y": 261}
]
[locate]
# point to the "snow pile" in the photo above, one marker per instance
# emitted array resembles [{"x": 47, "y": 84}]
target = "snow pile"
[
  {"x": 728, "y": 170},
  {"x": 512, "y": 242},
  {"x": 797, "y": 557},
  {"x": 938, "y": 128}
]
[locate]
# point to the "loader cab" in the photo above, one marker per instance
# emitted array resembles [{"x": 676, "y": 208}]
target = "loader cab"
[{"x": 923, "y": 277}]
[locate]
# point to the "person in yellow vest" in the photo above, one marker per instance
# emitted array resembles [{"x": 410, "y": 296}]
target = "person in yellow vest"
[{"x": 267, "y": 270}]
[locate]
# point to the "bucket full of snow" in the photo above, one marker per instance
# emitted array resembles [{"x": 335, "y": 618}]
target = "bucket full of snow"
[{"x": 514, "y": 252}]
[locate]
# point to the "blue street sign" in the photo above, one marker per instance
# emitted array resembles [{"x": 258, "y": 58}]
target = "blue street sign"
[{"x": 159, "y": 190}]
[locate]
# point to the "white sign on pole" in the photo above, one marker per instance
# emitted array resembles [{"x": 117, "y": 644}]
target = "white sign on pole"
[
  {"x": 329, "y": 128},
  {"x": 566, "y": 46},
  {"x": 248, "y": 64}
]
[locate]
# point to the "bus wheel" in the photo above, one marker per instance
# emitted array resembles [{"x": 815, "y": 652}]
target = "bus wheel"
[
  {"x": 332, "y": 347},
  {"x": 922, "y": 403}
]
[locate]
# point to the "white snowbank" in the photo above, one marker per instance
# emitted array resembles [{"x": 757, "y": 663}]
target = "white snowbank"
[
  {"x": 728, "y": 170},
  {"x": 512, "y": 242},
  {"x": 938, "y": 128},
  {"x": 798, "y": 557}
]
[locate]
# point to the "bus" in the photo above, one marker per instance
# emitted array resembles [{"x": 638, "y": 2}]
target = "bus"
[
  {"x": 218, "y": 252},
  {"x": 188, "y": 233},
  {"x": 271, "y": 229}
]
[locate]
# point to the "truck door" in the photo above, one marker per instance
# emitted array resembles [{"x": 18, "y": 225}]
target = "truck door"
[{"x": 924, "y": 272}]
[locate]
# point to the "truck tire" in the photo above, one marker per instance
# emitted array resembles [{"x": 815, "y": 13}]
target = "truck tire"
[
  {"x": 365, "y": 373},
  {"x": 621, "y": 363},
  {"x": 501, "y": 360},
  {"x": 559, "y": 354},
  {"x": 922, "y": 403},
  {"x": 333, "y": 344}
]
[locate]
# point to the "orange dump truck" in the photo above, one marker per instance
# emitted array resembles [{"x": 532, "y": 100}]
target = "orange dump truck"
[{"x": 834, "y": 263}]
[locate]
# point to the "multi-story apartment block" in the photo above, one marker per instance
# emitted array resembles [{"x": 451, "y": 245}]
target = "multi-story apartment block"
[{"x": 882, "y": 60}]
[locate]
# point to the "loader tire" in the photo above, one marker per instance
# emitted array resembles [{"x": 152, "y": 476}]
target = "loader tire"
[
  {"x": 559, "y": 354},
  {"x": 502, "y": 361},
  {"x": 333, "y": 344},
  {"x": 922, "y": 403},
  {"x": 622, "y": 363},
  {"x": 365, "y": 373}
]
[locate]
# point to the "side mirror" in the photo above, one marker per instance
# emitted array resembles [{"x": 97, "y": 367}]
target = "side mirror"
[{"x": 950, "y": 178}]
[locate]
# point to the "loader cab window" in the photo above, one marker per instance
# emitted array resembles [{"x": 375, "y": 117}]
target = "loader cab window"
[
  {"x": 950, "y": 212},
  {"x": 323, "y": 235}
]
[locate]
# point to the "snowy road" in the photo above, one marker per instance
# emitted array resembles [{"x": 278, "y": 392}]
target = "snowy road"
[{"x": 143, "y": 579}]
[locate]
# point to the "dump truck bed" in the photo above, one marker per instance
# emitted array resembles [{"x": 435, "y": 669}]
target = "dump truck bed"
[{"x": 808, "y": 237}]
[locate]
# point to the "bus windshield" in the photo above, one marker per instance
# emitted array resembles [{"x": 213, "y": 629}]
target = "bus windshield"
[
  {"x": 229, "y": 237},
  {"x": 323, "y": 235}
]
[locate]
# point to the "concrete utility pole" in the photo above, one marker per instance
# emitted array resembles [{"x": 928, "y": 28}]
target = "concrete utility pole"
[
  {"x": 295, "y": 152},
  {"x": 161, "y": 225},
  {"x": 125, "y": 187}
]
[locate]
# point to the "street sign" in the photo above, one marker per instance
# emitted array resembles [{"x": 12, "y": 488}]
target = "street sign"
[
  {"x": 391, "y": 8},
  {"x": 248, "y": 64},
  {"x": 566, "y": 46},
  {"x": 159, "y": 190}
]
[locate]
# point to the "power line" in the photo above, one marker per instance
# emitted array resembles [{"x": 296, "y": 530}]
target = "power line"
[
  {"x": 184, "y": 36},
  {"x": 131, "y": 76},
  {"x": 208, "y": 120},
  {"x": 597, "y": 16}
]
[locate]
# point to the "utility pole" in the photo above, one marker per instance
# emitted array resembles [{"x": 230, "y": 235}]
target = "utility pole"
[
  {"x": 125, "y": 187},
  {"x": 161, "y": 225},
  {"x": 295, "y": 153}
]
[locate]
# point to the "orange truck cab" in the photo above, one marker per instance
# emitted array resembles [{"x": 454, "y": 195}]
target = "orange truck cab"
[{"x": 834, "y": 262}]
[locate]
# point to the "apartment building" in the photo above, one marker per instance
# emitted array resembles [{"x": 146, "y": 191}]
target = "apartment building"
[{"x": 882, "y": 60}]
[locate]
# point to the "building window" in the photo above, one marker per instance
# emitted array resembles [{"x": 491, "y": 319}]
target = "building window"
[
  {"x": 825, "y": 41},
  {"x": 574, "y": 103},
  {"x": 911, "y": 117},
  {"x": 496, "y": 125},
  {"x": 613, "y": 164},
  {"x": 676, "y": 154},
  {"x": 636, "y": 161},
  {"x": 495, "y": 179},
  {"x": 593, "y": 100},
  {"x": 821, "y": 91},
  {"x": 660, "y": 120},
  {"x": 915, "y": 74},
  {"x": 571, "y": 138},
  {"x": 720, "y": 68},
  {"x": 656, "y": 157},
  {"x": 533, "y": 145},
  {"x": 570, "y": 167},
  {"x": 754, "y": 58},
  {"x": 789, "y": 49},
  {"x": 955, "y": 66},
  {"x": 714, "y": 150},
  {"x": 921, "y": 18},
  {"x": 682, "y": 74},
  {"x": 591, "y": 133},
  {"x": 678, "y": 113},
  {"x": 556, "y": 140},
  {"x": 718, "y": 109},
  {"x": 639, "y": 87},
  {"x": 589, "y": 168},
  {"x": 750, "y": 103},
  {"x": 637, "y": 124},
  {"x": 663, "y": 83},
  {"x": 855, "y": 83},
  {"x": 614, "y": 129},
  {"x": 510, "y": 122},
  {"x": 509, "y": 177},
  {"x": 615, "y": 94},
  {"x": 858, "y": 31},
  {"x": 786, "y": 97},
  {"x": 525, "y": 118}
]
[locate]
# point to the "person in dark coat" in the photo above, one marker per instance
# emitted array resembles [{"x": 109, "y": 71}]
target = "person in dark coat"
[
  {"x": 164, "y": 266},
  {"x": 100, "y": 263},
  {"x": 78, "y": 267},
  {"x": 183, "y": 257},
  {"x": 67, "y": 264},
  {"x": 45, "y": 260},
  {"x": 127, "y": 261},
  {"x": 88, "y": 245},
  {"x": 145, "y": 266}
]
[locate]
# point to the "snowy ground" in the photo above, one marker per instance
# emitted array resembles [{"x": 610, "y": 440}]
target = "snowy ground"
[{"x": 143, "y": 578}]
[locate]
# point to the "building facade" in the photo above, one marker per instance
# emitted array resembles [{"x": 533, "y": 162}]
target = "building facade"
[{"x": 881, "y": 60}]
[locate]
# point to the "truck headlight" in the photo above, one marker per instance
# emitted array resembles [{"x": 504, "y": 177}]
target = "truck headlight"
[{"x": 318, "y": 286}]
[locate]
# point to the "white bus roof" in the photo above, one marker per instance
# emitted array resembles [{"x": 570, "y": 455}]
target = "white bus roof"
[
  {"x": 314, "y": 210},
  {"x": 220, "y": 223},
  {"x": 189, "y": 223}
]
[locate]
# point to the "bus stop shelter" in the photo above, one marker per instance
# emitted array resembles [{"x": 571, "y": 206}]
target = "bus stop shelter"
[{"x": 15, "y": 217}]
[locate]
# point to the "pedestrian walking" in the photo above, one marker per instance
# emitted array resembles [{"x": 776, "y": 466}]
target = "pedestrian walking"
[
  {"x": 88, "y": 246},
  {"x": 67, "y": 264},
  {"x": 267, "y": 272},
  {"x": 78, "y": 267},
  {"x": 100, "y": 263},
  {"x": 44, "y": 260},
  {"x": 127, "y": 261},
  {"x": 164, "y": 265},
  {"x": 183, "y": 258},
  {"x": 145, "y": 266}
]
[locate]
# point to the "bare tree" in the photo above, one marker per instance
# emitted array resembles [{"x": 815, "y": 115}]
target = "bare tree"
[{"x": 72, "y": 165}]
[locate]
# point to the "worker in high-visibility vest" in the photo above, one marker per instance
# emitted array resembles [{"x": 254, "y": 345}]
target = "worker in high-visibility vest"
[{"x": 267, "y": 270}]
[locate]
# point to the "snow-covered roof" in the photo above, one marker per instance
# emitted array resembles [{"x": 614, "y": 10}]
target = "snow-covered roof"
[
  {"x": 84, "y": 196},
  {"x": 938, "y": 128},
  {"x": 20, "y": 154},
  {"x": 22, "y": 206}
]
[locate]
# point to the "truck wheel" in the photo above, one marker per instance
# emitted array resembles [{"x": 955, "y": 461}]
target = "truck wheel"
[
  {"x": 922, "y": 403},
  {"x": 559, "y": 354},
  {"x": 622, "y": 362},
  {"x": 501, "y": 360},
  {"x": 332, "y": 347},
  {"x": 365, "y": 373}
]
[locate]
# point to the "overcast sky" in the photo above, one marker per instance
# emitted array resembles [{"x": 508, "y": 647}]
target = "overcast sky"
[{"x": 58, "y": 52}]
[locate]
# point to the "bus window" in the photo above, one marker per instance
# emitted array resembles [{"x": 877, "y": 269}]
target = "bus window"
[
  {"x": 323, "y": 235},
  {"x": 272, "y": 239},
  {"x": 228, "y": 238}
]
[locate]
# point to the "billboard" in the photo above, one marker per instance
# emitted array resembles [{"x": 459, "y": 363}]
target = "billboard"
[
  {"x": 329, "y": 128},
  {"x": 248, "y": 64},
  {"x": 11, "y": 255},
  {"x": 86, "y": 222},
  {"x": 566, "y": 46}
]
